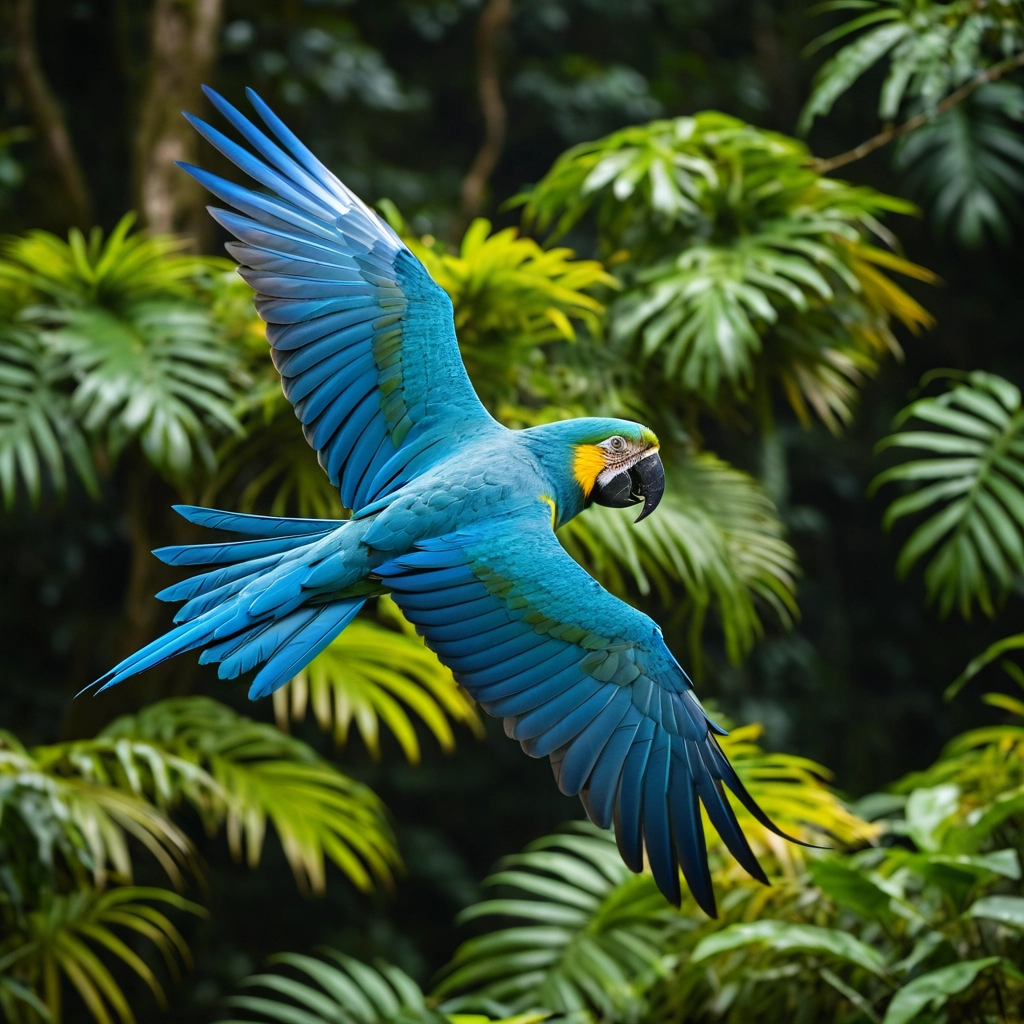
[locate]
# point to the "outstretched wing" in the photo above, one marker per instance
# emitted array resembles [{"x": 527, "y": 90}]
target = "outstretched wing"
[
  {"x": 585, "y": 679},
  {"x": 363, "y": 338}
]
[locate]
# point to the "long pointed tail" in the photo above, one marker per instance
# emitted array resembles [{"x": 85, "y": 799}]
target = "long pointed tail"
[{"x": 252, "y": 607}]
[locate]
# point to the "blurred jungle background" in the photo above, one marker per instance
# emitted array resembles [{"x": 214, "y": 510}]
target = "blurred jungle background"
[{"x": 787, "y": 238}]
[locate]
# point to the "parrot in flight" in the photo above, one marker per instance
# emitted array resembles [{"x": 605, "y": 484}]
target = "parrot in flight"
[{"x": 453, "y": 514}]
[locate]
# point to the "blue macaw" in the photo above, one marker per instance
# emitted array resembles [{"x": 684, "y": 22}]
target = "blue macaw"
[{"x": 453, "y": 514}]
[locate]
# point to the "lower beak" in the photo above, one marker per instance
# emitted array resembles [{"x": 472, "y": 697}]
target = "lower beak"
[{"x": 644, "y": 481}]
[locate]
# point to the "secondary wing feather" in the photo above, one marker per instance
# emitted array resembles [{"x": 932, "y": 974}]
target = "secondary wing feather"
[
  {"x": 363, "y": 338},
  {"x": 582, "y": 678}
]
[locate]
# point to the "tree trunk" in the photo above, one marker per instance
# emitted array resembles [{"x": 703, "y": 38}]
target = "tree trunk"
[
  {"x": 183, "y": 50},
  {"x": 44, "y": 110},
  {"x": 489, "y": 30}
]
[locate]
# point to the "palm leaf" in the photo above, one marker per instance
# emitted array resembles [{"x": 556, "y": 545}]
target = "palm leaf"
[
  {"x": 970, "y": 482},
  {"x": 374, "y": 676},
  {"x": 717, "y": 534},
  {"x": 78, "y": 803},
  {"x": 68, "y": 936},
  {"x": 591, "y": 936},
  {"x": 122, "y": 351},
  {"x": 264, "y": 775},
  {"x": 336, "y": 989},
  {"x": 38, "y": 432},
  {"x": 113, "y": 273},
  {"x": 745, "y": 266},
  {"x": 156, "y": 372},
  {"x": 968, "y": 164},
  {"x": 932, "y": 48}
]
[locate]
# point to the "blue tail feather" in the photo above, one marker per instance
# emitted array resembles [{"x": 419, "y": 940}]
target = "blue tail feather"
[{"x": 256, "y": 608}]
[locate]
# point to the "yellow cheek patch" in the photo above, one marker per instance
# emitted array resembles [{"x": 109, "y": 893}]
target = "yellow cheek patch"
[
  {"x": 587, "y": 463},
  {"x": 550, "y": 502}
]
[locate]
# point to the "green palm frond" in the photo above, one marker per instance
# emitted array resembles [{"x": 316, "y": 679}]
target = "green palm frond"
[
  {"x": 591, "y": 938},
  {"x": 112, "y": 273},
  {"x": 337, "y": 989},
  {"x": 116, "y": 347},
  {"x": 156, "y": 373},
  {"x": 716, "y": 533},
  {"x": 81, "y": 802},
  {"x": 38, "y": 432},
  {"x": 68, "y": 935},
  {"x": 932, "y": 47},
  {"x": 745, "y": 268},
  {"x": 986, "y": 765},
  {"x": 970, "y": 482},
  {"x": 968, "y": 163},
  {"x": 372, "y": 675},
  {"x": 332, "y": 989},
  {"x": 19, "y": 1003},
  {"x": 263, "y": 775}
]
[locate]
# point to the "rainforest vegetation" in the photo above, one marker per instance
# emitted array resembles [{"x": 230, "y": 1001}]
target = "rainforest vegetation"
[{"x": 786, "y": 237}]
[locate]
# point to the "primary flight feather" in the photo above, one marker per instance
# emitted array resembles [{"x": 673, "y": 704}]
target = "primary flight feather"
[{"x": 453, "y": 514}]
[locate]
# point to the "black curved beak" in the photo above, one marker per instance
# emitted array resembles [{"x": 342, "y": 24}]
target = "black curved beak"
[{"x": 644, "y": 481}]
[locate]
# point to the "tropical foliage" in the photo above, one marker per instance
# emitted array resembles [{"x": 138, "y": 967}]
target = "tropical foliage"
[
  {"x": 70, "y": 811},
  {"x": 747, "y": 269},
  {"x": 731, "y": 271},
  {"x": 920, "y": 911},
  {"x": 106, "y": 343},
  {"x": 944, "y": 60},
  {"x": 970, "y": 481},
  {"x": 932, "y": 48}
]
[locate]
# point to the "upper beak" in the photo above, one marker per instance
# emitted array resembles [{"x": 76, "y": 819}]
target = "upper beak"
[{"x": 644, "y": 481}]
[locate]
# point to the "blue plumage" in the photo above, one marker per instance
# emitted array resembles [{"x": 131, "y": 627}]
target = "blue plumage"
[{"x": 451, "y": 512}]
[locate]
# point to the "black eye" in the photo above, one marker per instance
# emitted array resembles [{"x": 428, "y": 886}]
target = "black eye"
[{"x": 618, "y": 444}]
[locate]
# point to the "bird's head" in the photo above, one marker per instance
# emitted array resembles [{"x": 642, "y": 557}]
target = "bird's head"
[
  {"x": 598, "y": 461},
  {"x": 616, "y": 463}
]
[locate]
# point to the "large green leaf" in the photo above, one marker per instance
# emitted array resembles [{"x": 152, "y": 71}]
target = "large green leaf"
[
  {"x": 156, "y": 372},
  {"x": 783, "y": 937},
  {"x": 934, "y": 989},
  {"x": 968, "y": 163},
  {"x": 932, "y": 48},
  {"x": 81, "y": 802},
  {"x": 590, "y": 934},
  {"x": 38, "y": 431},
  {"x": 744, "y": 268},
  {"x": 123, "y": 349},
  {"x": 970, "y": 482},
  {"x": 112, "y": 273},
  {"x": 1004, "y": 909},
  {"x": 67, "y": 937},
  {"x": 263, "y": 775},
  {"x": 334, "y": 989}
]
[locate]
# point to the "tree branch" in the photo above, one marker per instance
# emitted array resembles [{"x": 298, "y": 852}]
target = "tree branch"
[
  {"x": 992, "y": 74},
  {"x": 44, "y": 110},
  {"x": 493, "y": 21}
]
